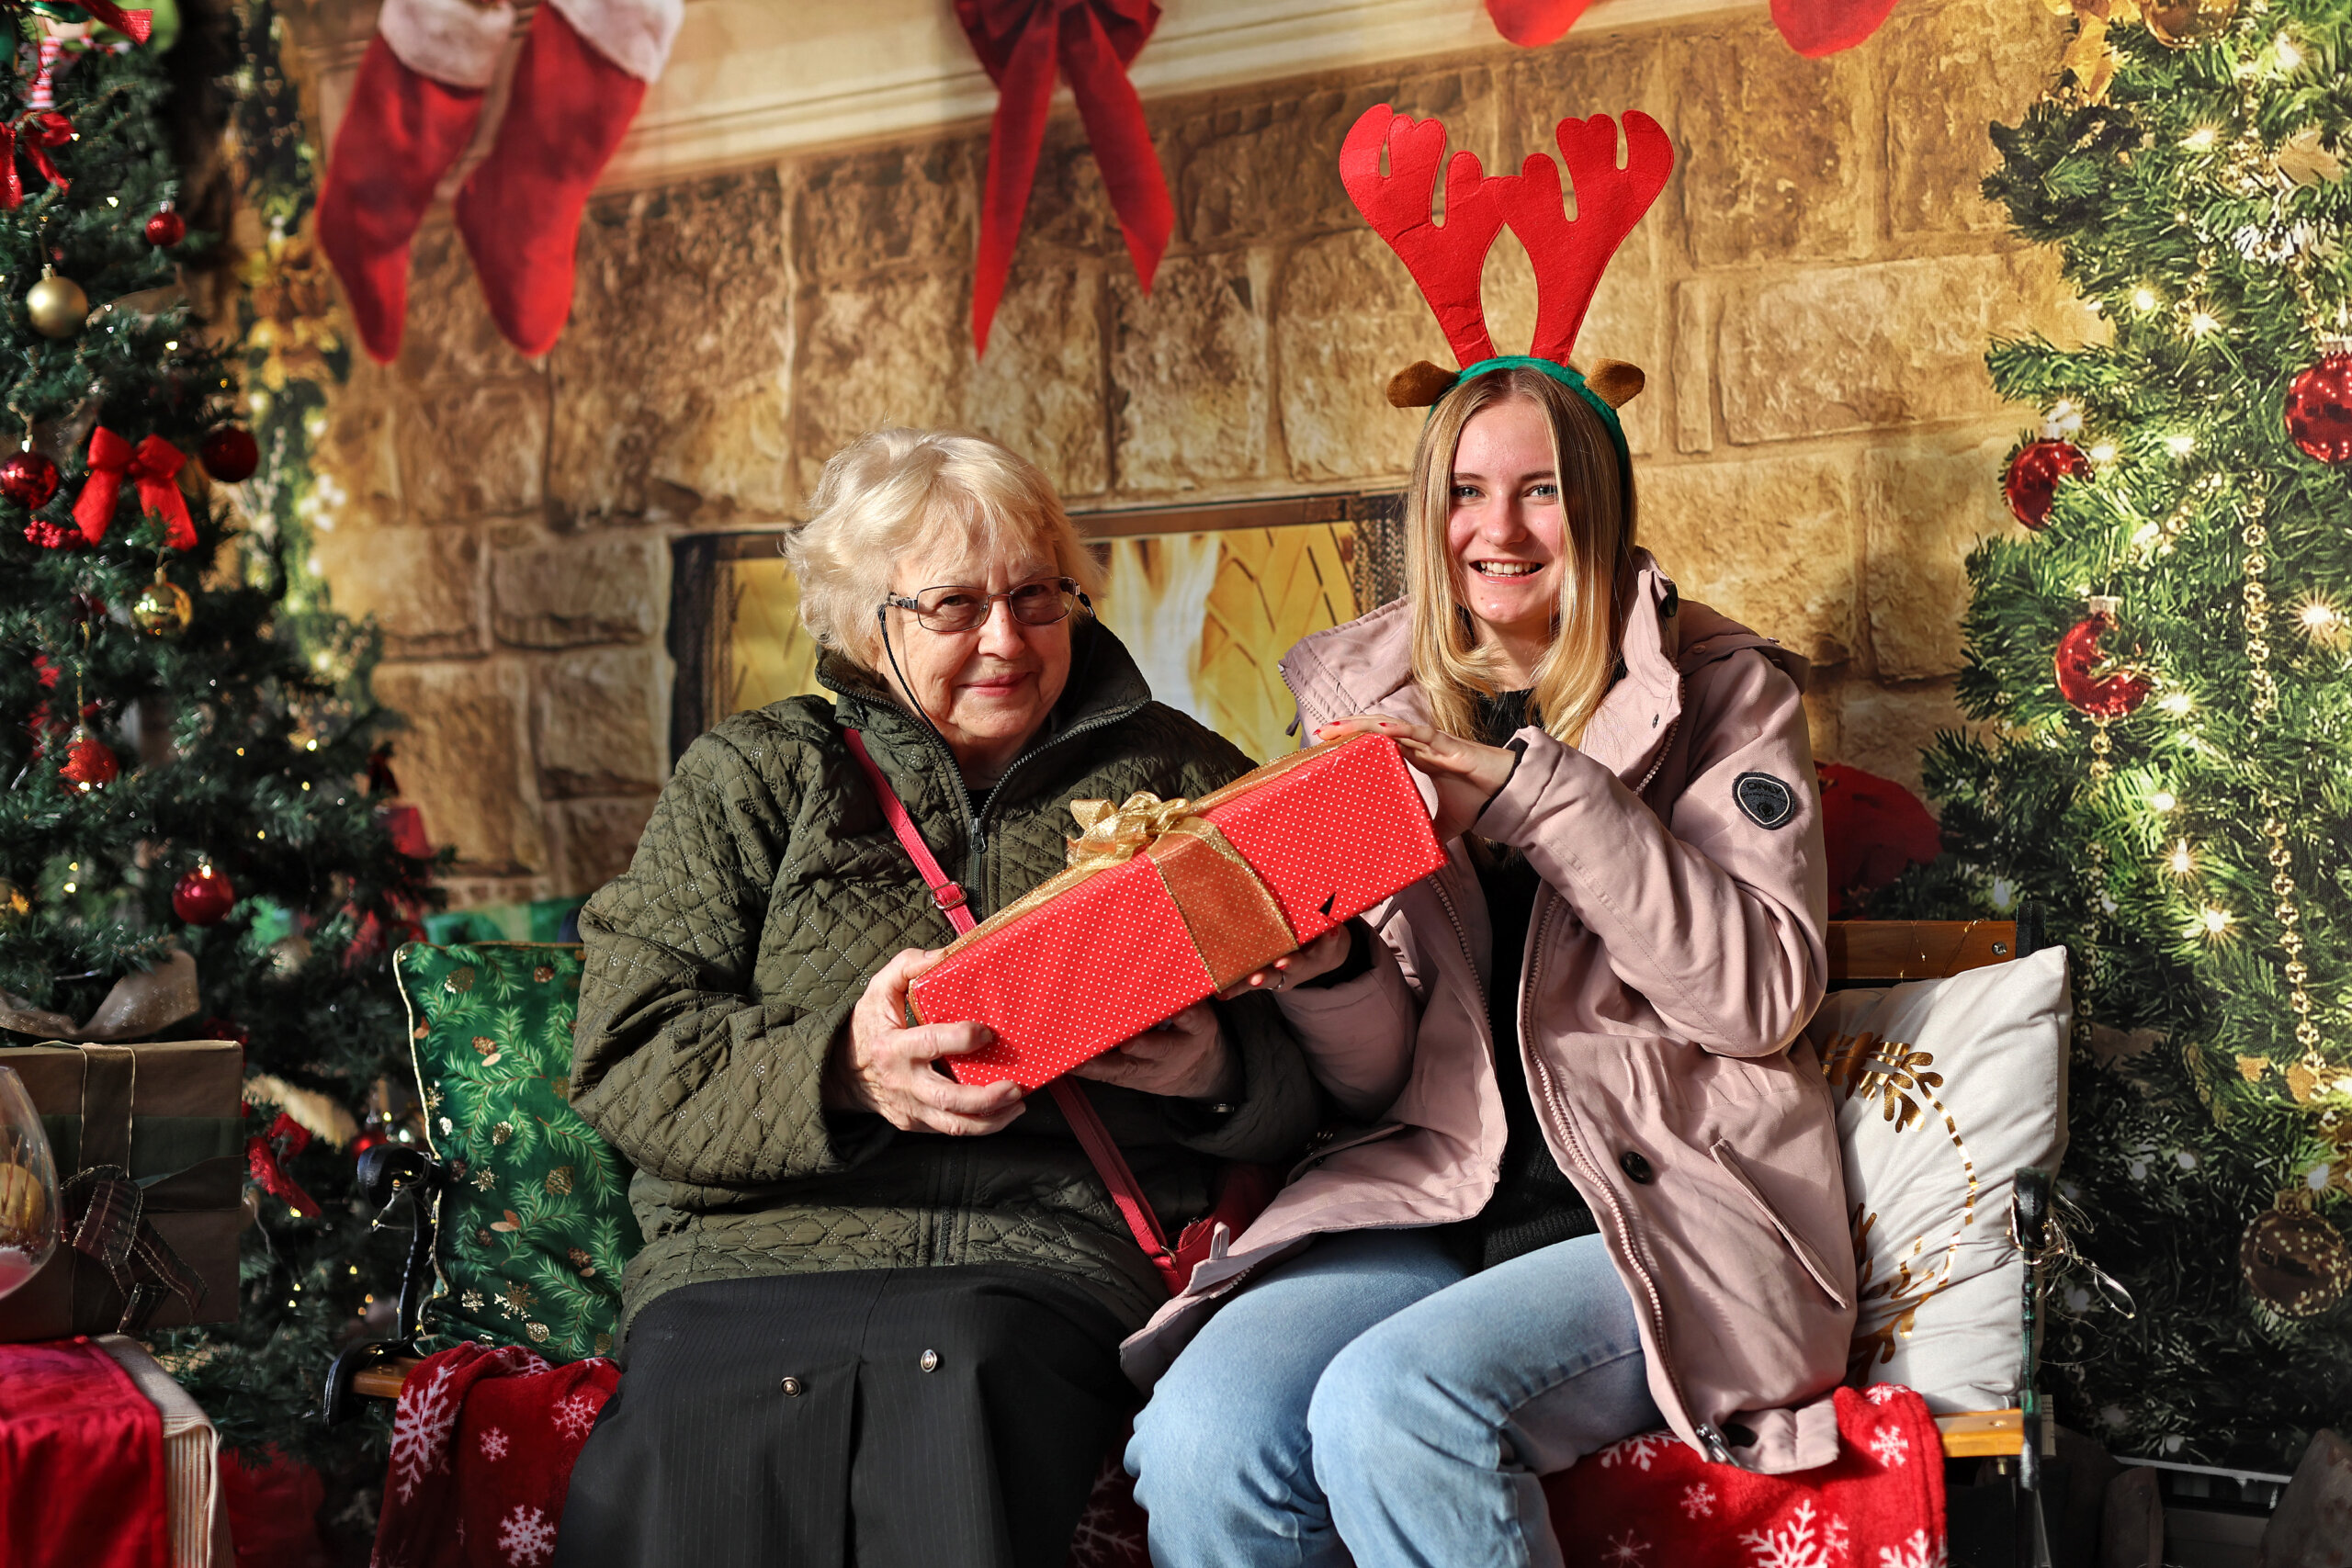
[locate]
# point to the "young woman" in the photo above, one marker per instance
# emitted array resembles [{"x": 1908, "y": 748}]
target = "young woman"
[{"x": 1603, "y": 1192}]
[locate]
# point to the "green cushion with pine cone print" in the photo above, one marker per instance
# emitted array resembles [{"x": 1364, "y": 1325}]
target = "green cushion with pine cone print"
[{"x": 535, "y": 1226}]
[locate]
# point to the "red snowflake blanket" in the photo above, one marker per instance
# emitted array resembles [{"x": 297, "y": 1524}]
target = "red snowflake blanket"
[
  {"x": 482, "y": 1446},
  {"x": 1650, "y": 1502}
]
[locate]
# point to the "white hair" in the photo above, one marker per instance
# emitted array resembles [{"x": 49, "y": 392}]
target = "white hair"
[{"x": 896, "y": 492}]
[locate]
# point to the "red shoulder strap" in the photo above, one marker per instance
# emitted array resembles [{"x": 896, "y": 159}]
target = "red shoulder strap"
[
  {"x": 1084, "y": 1119},
  {"x": 948, "y": 895}
]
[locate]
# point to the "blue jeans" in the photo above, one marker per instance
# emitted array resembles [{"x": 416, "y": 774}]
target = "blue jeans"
[{"x": 1367, "y": 1392}]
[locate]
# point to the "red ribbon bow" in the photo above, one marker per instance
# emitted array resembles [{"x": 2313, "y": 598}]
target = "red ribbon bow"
[
  {"x": 265, "y": 1154},
  {"x": 36, "y": 130},
  {"x": 1020, "y": 42},
  {"x": 153, "y": 464}
]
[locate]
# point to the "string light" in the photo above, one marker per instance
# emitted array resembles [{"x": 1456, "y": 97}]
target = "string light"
[
  {"x": 2143, "y": 298},
  {"x": 2180, "y": 862},
  {"x": 2201, "y": 139},
  {"x": 2175, "y": 702},
  {"x": 2290, "y": 57},
  {"x": 2103, "y": 453},
  {"x": 2203, "y": 322},
  {"x": 2162, "y": 801},
  {"x": 2321, "y": 621},
  {"x": 2214, "y": 920},
  {"x": 2180, "y": 446}
]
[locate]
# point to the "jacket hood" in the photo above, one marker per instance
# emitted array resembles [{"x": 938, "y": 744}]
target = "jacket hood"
[{"x": 1366, "y": 666}]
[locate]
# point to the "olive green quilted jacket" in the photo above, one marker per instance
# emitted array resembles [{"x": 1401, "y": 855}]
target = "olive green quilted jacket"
[{"x": 765, "y": 893}]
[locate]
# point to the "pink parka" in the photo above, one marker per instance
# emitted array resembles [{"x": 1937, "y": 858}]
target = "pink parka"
[{"x": 1674, "y": 953}]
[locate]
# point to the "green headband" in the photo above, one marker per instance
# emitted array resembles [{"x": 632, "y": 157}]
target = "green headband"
[{"x": 1566, "y": 377}]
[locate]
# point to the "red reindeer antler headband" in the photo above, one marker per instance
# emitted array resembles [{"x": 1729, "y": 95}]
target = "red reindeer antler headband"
[{"x": 1569, "y": 253}]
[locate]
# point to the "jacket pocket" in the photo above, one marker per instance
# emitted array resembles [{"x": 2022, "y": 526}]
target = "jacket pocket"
[{"x": 1727, "y": 1158}]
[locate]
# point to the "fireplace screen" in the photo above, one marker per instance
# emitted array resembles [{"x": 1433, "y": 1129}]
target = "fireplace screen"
[{"x": 1208, "y": 598}]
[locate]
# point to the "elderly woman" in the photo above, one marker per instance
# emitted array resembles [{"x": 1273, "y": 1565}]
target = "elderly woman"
[{"x": 877, "y": 1314}]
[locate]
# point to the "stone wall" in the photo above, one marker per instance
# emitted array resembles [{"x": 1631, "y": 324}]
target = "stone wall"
[{"x": 1812, "y": 298}]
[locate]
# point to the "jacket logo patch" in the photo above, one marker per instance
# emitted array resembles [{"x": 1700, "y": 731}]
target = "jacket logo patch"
[{"x": 1768, "y": 802}]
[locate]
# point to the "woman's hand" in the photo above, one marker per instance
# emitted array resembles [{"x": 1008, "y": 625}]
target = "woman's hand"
[
  {"x": 883, "y": 1066},
  {"x": 1185, "y": 1058},
  {"x": 1467, "y": 774},
  {"x": 1317, "y": 958}
]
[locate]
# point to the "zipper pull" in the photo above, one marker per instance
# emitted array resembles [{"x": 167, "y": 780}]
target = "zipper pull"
[{"x": 1710, "y": 1438}]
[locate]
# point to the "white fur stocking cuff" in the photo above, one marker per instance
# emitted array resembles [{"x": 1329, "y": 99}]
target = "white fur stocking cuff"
[
  {"x": 634, "y": 35},
  {"x": 457, "y": 42}
]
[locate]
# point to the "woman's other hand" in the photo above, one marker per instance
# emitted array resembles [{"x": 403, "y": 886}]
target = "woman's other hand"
[
  {"x": 1317, "y": 958},
  {"x": 1467, "y": 775},
  {"x": 1185, "y": 1058},
  {"x": 883, "y": 1066}
]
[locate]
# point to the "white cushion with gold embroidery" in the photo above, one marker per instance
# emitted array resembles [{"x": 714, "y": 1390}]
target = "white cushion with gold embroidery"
[{"x": 1944, "y": 1087}]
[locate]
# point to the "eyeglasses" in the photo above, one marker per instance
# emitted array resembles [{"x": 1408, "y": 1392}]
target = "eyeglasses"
[{"x": 956, "y": 608}]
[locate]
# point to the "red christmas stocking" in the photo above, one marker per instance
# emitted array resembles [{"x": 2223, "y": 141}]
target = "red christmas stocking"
[
  {"x": 412, "y": 112},
  {"x": 580, "y": 78}
]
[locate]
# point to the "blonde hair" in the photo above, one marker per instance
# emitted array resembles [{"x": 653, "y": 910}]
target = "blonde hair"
[
  {"x": 895, "y": 493},
  {"x": 1597, "y": 531}
]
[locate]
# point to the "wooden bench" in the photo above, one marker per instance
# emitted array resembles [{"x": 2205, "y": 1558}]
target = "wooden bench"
[{"x": 1861, "y": 953}]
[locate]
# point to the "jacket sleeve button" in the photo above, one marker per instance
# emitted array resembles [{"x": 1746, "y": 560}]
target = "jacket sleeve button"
[
  {"x": 1632, "y": 1162},
  {"x": 791, "y": 1387},
  {"x": 930, "y": 1361}
]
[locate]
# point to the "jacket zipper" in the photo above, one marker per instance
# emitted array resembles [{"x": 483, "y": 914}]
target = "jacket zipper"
[
  {"x": 975, "y": 832},
  {"x": 963, "y": 1171},
  {"x": 1665, "y": 741},
  {"x": 976, "y": 824}
]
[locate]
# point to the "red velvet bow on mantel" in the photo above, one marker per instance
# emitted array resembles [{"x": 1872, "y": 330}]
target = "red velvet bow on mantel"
[
  {"x": 1021, "y": 43},
  {"x": 154, "y": 465},
  {"x": 1813, "y": 28}
]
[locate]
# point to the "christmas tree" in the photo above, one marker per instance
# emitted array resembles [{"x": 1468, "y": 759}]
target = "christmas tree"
[
  {"x": 2159, "y": 672},
  {"x": 186, "y": 774}
]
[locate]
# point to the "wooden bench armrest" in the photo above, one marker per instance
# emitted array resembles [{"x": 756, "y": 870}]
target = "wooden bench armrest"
[
  {"x": 384, "y": 1381},
  {"x": 1983, "y": 1434}
]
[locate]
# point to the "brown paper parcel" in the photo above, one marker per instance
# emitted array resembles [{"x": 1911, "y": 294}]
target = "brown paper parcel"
[{"x": 171, "y": 1115}]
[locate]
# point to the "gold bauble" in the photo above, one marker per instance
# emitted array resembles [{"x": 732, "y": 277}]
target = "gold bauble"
[
  {"x": 22, "y": 1207},
  {"x": 2185, "y": 24},
  {"x": 15, "y": 907},
  {"x": 162, "y": 609},
  {"x": 56, "y": 305},
  {"x": 2295, "y": 1263}
]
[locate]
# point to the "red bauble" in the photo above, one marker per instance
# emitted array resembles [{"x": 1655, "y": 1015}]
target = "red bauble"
[
  {"x": 2033, "y": 478},
  {"x": 203, "y": 896},
  {"x": 2092, "y": 684},
  {"x": 28, "y": 479},
  {"x": 166, "y": 227},
  {"x": 2319, "y": 409},
  {"x": 230, "y": 455},
  {"x": 88, "y": 764}
]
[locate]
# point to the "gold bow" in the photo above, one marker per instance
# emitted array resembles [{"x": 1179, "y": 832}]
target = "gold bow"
[{"x": 1110, "y": 834}]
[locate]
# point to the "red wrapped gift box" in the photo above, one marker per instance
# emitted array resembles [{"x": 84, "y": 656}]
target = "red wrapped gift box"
[{"x": 1167, "y": 902}]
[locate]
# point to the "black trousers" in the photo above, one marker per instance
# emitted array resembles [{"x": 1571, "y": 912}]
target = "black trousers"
[{"x": 886, "y": 1418}]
